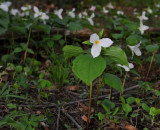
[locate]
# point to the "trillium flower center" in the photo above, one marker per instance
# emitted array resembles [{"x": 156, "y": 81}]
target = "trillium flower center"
[{"x": 97, "y": 41}]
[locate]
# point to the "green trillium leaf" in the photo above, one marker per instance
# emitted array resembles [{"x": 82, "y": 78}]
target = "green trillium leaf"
[
  {"x": 113, "y": 81},
  {"x": 88, "y": 68},
  {"x": 116, "y": 54}
]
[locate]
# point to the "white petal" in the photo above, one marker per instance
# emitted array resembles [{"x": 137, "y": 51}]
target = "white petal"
[
  {"x": 36, "y": 10},
  {"x": 95, "y": 50},
  {"x": 36, "y": 15},
  {"x": 105, "y": 42},
  {"x": 131, "y": 65},
  {"x": 91, "y": 21},
  {"x": 93, "y": 38},
  {"x": 4, "y": 7},
  {"x": 137, "y": 52},
  {"x": 124, "y": 67},
  {"x": 23, "y": 8}
]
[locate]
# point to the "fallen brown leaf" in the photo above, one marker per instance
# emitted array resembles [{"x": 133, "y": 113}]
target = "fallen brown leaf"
[
  {"x": 73, "y": 88},
  {"x": 130, "y": 127},
  {"x": 84, "y": 118}
]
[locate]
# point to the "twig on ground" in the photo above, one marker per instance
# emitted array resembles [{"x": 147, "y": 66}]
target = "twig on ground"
[
  {"x": 73, "y": 102},
  {"x": 71, "y": 118},
  {"x": 59, "y": 112}
]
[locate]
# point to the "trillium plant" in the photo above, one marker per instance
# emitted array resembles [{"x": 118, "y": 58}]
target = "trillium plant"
[{"x": 91, "y": 64}]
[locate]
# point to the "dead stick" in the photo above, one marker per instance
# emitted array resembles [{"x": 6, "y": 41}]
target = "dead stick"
[
  {"x": 71, "y": 118},
  {"x": 73, "y": 102},
  {"x": 59, "y": 112}
]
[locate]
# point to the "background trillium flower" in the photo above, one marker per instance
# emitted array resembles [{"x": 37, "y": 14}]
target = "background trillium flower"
[
  {"x": 90, "y": 19},
  {"x": 98, "y": 44},
  {"x": 135, "y": 50},
  {"x": 142, "y": 28},
  {"x": 105, "y": 10},
  {"x": 93, "y": 8},
  {"x": 71, "y": 13},
  {"x": 125, "y": 67},
  {"x": 5, "y": 6},
  {"x": 14, "y": 11},
  {"x": 143, "y": 17},
  {"x": 120, "y": 12},
  {"x": 59, "y": 13},
  {"x": 85, "y": 13}
]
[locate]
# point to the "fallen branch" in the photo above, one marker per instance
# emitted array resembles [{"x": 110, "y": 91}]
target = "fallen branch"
[
  {"x": 59, "y": 112},
  {"x": 73, "y": 102},
  {"x": 71, "y": 118}
]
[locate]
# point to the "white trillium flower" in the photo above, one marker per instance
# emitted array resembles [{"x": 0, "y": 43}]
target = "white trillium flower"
[
  {"x": 98, "y": 44},
  {"x": 120, "y": 12},
  {"x": 37, "y": 12},
  {"x": 125, "y": 67},
  {"x": 142, "y": 28},
  {"x": 71, "y": 13},
  {"x": 90, "y": 19},
  {"x": 158, "y": 5},
  {"x": 40, "y": 14},
  {"x": 5, "y": 6},
  {"x": 149, "y": 10},
  {"x": 25, "y": 10},
  {"x": 8, "y": 3},
  {"x": 110, "y": 5},
  {"x": 105, "y": 10},
  {"x": 93, "y": 8},
  {"x": 44, "y": 16},
  {"x": 143, "y": 17},
  {"x": 14, "y": 11},
  {"x": 135, "y": 50},
  {"x": 85, "y": 13},
  {"x": 59, "y": 13},
  {"x": 80, "y": 15}
]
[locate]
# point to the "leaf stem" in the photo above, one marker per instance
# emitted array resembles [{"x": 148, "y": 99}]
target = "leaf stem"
[
  {"x": 25, "y": 54},
  {"x": 98, "y": 88},
  {"x": 124, "y": 82},
  {"x": 150, "y": 65},
  {"x": 89, "y": 110}
]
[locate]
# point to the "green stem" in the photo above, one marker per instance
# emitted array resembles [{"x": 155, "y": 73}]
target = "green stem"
[
  {"x": 12, "y": 40},
  {"x": 123, "y": 83},
  {"x": 110, "y": 94},
  {"x": 89, "y": 110},
  {"x": 25, "y": 54},
  {"x": 98, "y": 88},
  {"x": 150, "y": 65}
]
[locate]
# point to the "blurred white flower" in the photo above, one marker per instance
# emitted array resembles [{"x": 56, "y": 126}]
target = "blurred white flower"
[
  {"x": 135, "y": 50},
  {"x": 14, "y": 11},
  {"x": 85, "y": 13},
  {"x": 143, "y": 17},
  {"x": 158, "y": 5},
  {"x": 5, "y": 6},
  {"x": 98, "y": 44},
  {"x": 80, "y": 15},
  {"x": 142, "y": 28},
  {"x": 71, "y": 13},
  {"x": 93, "y": 8},
  {"x": 59, "y": 13},
  {"x": 120, "y": 12},
  {"x": 37, "y": 12},
  {"x": 125, "y": 67},
  {"x": 149, "y": 10},
  {"x": 110, "y": 6},
  {"x": 90, "y": 19},
  {"x": 25, "y": 10},
  {"x": 44, "y": 16},
  {"x": 105, "y": 10}
]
